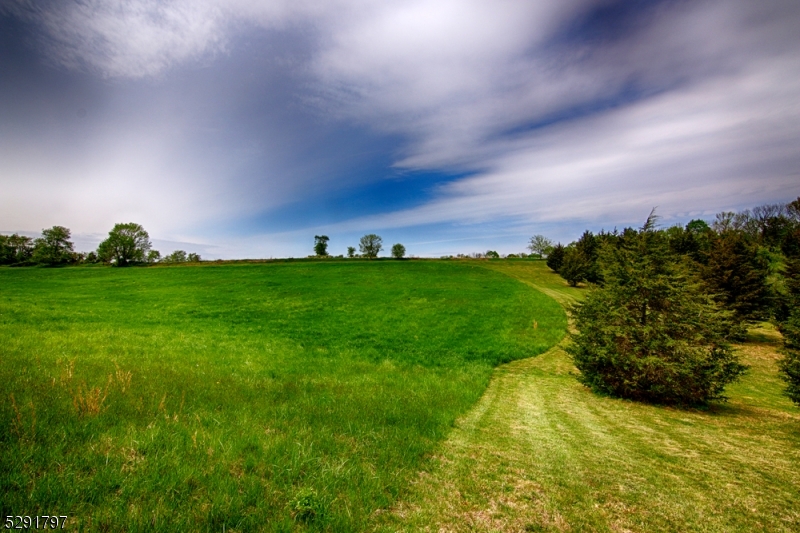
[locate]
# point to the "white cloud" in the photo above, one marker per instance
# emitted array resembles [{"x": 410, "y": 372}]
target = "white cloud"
[
  {"x": 715, "y": 126},
  {"x": 713, "y": 145}
]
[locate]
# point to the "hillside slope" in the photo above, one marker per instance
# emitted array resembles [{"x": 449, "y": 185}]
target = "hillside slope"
[{"x": 540, "y": 452}]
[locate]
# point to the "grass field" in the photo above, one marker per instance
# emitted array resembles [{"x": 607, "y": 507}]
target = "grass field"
[
  {"x": 539, "y": 452},
  {"x": 275, "y": 397}
]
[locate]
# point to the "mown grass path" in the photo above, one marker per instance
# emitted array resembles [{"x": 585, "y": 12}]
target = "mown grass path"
[{"x": 539, "y": 452}]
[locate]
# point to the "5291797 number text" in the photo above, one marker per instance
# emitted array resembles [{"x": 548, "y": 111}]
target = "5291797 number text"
[{"x": 35, "y": 522}]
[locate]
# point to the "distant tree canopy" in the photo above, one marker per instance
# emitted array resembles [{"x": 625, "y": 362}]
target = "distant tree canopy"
[
  {"x": 540, "y": 245},
  {"x": 351, "y": 251},
  {"x": 126, "y": 243},
  {"x": 321, "y": 245},
  {"x": 370, "y": 245},
  {"x": 54, "y": 247},
  {"x": 178, "y": 256},
  {"x": 398, "y": 251},
  {"x": 15, "y": 249},
  {"x": 492, "y": 254},
  {"x": 651, "y": 333}
]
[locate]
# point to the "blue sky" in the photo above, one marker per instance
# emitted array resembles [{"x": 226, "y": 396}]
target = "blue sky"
[{"x": 243, "y": 128}]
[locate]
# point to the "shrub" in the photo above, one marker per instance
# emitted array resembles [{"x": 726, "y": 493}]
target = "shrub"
[{"x": 651, "y": 333}]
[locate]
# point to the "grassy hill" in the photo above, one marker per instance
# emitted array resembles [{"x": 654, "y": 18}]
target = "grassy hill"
[
  {"x": 540, "y": 452},
  {"x": 274, "y": 397}
]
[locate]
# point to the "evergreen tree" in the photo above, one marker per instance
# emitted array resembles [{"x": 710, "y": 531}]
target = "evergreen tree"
[
  {"x": 694, "y": 240},
  {"x": 575, "y": 266},
  {"x": 790, "y": 364},
  {"x": 789, "y": 319},
  {"x": 651, "y": 333},
  {"x": 588, "y": 246},
  {"x": 736, "y": 274},
  {"x": 556, "y": 257}
]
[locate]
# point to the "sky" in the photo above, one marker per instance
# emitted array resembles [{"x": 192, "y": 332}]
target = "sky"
[{"x": 243, "y": 128}]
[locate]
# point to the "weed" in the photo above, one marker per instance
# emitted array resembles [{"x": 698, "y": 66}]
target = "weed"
[
  {"x": 306, "y": 505},
  {"x": 89, "y": 402},
  {"x": 123, "y": 378}
]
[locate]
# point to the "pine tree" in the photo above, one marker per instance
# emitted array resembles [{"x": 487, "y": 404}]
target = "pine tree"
[
  {"x": 556, "y": 257},
  {"x": 790, "y": 364},
  {"x": 736, "y": 274},
  {"x": 651, "y": 333}
]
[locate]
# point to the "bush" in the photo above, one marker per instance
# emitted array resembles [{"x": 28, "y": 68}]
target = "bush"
[{"x": 651, "y": 333}]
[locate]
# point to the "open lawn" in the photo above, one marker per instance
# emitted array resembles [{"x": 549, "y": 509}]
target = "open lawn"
[
  {"x": 274, "y": 397},
  {"x": 540, "y": 452}
]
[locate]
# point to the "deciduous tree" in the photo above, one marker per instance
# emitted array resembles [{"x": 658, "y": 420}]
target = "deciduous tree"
[
  {"x": 370, "y": 245},
  {"x": 15, "y": 249},
  {"x": 321, "y": 245},
  {"x": 540, "y": 245},
  {"x": 126, "y": 243},
  {"x": 54, "y": 247},
  {"x": 398, "y": 251}
]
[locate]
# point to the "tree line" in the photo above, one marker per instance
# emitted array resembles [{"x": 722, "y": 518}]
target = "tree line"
[
  {"x": 666, "y": 303},
  {"x": 127, "y": 244},
  {"x": 369, "y": 245}
]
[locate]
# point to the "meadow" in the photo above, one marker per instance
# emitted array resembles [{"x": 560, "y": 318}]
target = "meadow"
[
  {"x": 540, "y": 452},
  {"x": 254, "y": 397}
]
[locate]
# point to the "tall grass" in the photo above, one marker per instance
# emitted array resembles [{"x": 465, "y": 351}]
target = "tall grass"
[{"x": 278, "y": 397}]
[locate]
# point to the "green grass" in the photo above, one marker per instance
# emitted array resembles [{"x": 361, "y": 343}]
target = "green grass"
[
  {"x": 274, "y": 397},
  {"x": 540, "y": 452}
]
